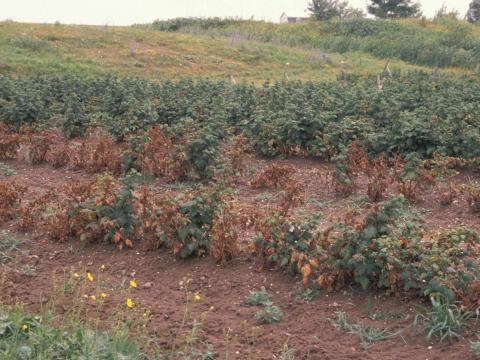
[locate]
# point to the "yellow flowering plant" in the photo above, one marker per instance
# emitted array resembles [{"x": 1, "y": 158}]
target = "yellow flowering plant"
[
  {"x": 130, "y": 303},
  {"x": 90, "y": 276}
]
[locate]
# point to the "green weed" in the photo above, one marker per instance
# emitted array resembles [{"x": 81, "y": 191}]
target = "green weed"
[
  {"x": 443, "y": 321},
  {"x": 6, "y": 170},
  {"x": 287, "y": 353},
  {"x": 269, "y": 314},
  {"x": 8, "y": 242},
  {"x": 475, "y": 347},
  {"x": 367, "y": 335},
  {"x": 257, "y": 298}
]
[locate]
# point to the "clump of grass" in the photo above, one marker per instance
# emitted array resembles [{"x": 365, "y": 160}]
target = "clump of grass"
[
  {"x": 475, "y": 347},
  {"x": 443, "y": 321},
  {"x": 287, "y": 353},
  {"x": 27, "y": 270},
  {"x": 368, "y": 335},
  {"x": 8, "y": 242},
  {"x": 6, "y": 170},
  {"x": 269, "y": 314},
  {"x": 304, "y": 294},
  {"x": 257, "y": 298}
]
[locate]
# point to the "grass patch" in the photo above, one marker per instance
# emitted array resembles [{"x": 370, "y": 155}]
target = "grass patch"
[
  {"x": 158, "y": 55},
  {"x": 367, "y": 335},
  {"x": 443, "y": 321},
  {"x": 6, "y": 170},
  {"x": 23, "y": 336},
  {"x": 8, "y": 242}
]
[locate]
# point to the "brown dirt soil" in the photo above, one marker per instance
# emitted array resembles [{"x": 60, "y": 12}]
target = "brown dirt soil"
[{"x": 164, "y": 281}]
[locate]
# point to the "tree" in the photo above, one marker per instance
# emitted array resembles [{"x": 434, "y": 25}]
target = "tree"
[
  {"x": 473, "y": 14},
  {"x": 444, "y": 13},
  {"x": 329, "y": 9},
  {"x": 325, "y": 9},
  {"x": 394, "y": 8},
  {"x": 352, "y": 13}
]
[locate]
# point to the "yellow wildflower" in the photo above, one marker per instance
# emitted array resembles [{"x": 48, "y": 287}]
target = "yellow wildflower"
[
  {"x": 103, "y": 296},
  {"x": 25, "y": 328},
  {"x": 197, "y": 297},
  {"x": 76, "y": 276},
  {"x": 102, "y": 267},
  {"x": 130, "y": 303},
  {"x": 133, "y": 284},
  {"x": 93, "y": 297},
  {"x": 85, "y": 296},
  {"x": 90, "y": 276}
]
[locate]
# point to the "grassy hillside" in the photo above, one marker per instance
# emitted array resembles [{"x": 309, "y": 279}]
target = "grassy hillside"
[
  {"x": 146, "y": 52},
  {"x": 444, "y": 42}
]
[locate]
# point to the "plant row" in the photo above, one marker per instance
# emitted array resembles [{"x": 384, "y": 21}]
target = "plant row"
[{"x": 415, "y": 112}]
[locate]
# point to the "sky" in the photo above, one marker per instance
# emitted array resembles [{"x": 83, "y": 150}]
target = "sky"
[{"x": 127, "y": 12}]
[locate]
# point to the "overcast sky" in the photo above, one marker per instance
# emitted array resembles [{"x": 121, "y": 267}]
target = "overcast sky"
[{"x": 126, "y": 12}]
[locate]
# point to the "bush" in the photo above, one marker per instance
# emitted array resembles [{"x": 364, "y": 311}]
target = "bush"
[
  {"x": 387, "y": 249},
  {"x": 177, "y": 24}
]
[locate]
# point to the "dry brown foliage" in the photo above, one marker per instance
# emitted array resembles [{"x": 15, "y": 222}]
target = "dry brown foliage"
[
  {"x": 79, "y": 154},
  {"x": 93, "y": 154},
  {"x": 274, "y": 175},
  {"x": 104, "y": 155},
  {"x": 293, "y": 195},
  {"x": 9, "y": 143},
  {"x": 59, "y": 154},
  {"x": 378, "y": 179},
  {"x": 224, "y": 238},
  {"x": 472, "y": 193},
  {"x": 153, "y": 155},
  {"x": 31, "y": 213},
  {"x": 149, "y": 221},
  {"x": 409, "y": 189},
  {"x": 39, "y": 145},
  {"x": 470, "y": 299},
  {"x": 233, "y": 158},
  {"x": 177, "y": 164},
  {"x": 447, "y": 193},
  {"x": 357, "y": 159},
  {"x": 10, "y": 198},
  {"x": 58, "y": 226}
]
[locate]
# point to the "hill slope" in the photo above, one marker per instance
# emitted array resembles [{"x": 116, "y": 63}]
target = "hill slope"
[{"x": 146, "y": 52}]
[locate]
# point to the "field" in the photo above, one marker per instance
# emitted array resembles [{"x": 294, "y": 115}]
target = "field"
[{"x": 154, "y": 207}]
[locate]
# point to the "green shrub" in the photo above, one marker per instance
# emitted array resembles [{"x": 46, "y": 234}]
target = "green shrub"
[{"x": 385, "y": 250}]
